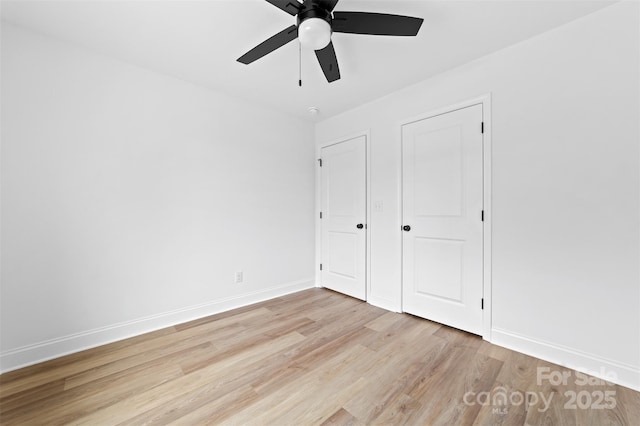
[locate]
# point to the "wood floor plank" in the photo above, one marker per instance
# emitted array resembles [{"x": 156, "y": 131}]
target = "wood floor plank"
[
  {"x": 156, "y": 397},
  {"x": 309, "y": 358},
  {"x": 496, "y": 407},
  {"x": 320, "y": 347},
  {"x": 340, "y": 307},
  {"x": 443, "y": 381},
  {"x": 493, "y": 351},
  {"x": 402, "y": 333},
  {"x": 214, "y": 412},
  {"x": 387, "y": 383},
  {"x": 67, "y": 406},
  {"x": 291, "y": 401},
  {"x": 387, "y": 394},
  {"x": 292, "y": 359},
  {"x": 312, "y": 301},
  {"x": 341, "y": 418},
  {"x": 31, "y": 396},
  {"x": 108, "y": 356},
  {"x": 151, "y": 354},
  {"x": 554, "y": 411},
  {"x": 446, "y": 392},
  {"x": 519, "y": 372},
  {"x": 222, "y": 315},
  {"x": 629, "y": 401},
  {"x": 384, "y": 321},
  {"x": 240, "y": 343},
  {"x": 28, "y": 374}
]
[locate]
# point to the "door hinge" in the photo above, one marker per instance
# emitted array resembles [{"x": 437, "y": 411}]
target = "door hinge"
[
  {"x": 320, "y": 161},
  {"x": 482, "y": 127},
  {"x": 481, "y": 215},
  {"x": 321, "y": 266},
  {"x": 320, "y": 215},
  {"x": 482, "y": 303}
]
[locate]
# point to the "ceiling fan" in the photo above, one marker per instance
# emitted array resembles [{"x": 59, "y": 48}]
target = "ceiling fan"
[{"x": 315, "y": 23}]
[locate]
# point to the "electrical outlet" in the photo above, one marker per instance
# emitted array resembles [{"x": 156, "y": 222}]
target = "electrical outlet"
[
  {"x": 378, "y": 206},
  {"x": 238, "y": 277}
]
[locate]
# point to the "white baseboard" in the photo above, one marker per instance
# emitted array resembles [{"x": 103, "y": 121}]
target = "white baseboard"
[
  {"x": 54, "y": 348},
  {"x": 612, "y": 371}
]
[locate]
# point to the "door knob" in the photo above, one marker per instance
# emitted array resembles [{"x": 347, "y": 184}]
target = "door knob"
[
  {"x": 359, "y": 226},
  {"x": 406, "y": 228}
]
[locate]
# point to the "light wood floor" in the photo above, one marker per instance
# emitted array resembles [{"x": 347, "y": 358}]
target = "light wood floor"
[{"x": 314, "y": 357}]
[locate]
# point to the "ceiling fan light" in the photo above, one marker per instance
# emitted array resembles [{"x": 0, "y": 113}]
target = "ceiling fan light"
[{"x": 314, "y": 33}]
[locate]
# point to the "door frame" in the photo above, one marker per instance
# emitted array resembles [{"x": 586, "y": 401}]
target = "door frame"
[
  {"x": 485, "y": 101},
  {"x": 318, "y": 209}
]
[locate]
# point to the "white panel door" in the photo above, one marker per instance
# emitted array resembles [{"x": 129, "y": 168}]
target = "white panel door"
[
  {"x": 442, "y": 218},
  {"x": 343, "y": 223}
]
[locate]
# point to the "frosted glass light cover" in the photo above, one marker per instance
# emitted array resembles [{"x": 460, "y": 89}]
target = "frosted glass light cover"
[{"x": 314, "y": 33}]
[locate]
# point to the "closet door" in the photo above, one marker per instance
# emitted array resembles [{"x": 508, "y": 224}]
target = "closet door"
[
  {"x": 343, "y": 222},
  {"x": 442, "y": 218}
]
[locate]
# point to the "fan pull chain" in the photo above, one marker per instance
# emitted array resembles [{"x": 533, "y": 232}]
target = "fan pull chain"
[{"x": 299, "y": 64}]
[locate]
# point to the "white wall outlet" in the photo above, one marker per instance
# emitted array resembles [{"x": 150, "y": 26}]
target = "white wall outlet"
[
  {"x": 378, "y": 206},
  {"x": 238, "y": 277}
]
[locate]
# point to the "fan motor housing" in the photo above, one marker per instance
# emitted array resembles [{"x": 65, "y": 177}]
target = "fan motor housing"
[{"x": 315, "y": 12}]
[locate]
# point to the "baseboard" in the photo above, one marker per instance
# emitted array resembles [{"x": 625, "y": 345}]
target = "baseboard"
[
  {"x": 612, "y": 371},
  {"x": 54, "y": 348}
]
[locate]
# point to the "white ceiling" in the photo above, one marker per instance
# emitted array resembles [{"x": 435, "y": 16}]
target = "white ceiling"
[{"x": 199, "y": 41}]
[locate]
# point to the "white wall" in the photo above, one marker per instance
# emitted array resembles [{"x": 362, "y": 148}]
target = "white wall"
[
  {"x": 130, "y": 198},
  {"x": 565, "y": 192}
]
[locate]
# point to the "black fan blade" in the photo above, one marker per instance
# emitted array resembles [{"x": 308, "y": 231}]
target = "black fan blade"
[
  {"x": 292, "y": 7},
  {"x": 375, "y": 24},
  {"x": 328, "y": 4},
  {"x": 269, "y": 45},
  {"x": 329, "y": 63}
]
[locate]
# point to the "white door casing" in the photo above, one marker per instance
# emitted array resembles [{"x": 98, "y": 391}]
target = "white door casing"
[
  {"x": 343, "y": 222},
  {"x": 442, "y": 158}
]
